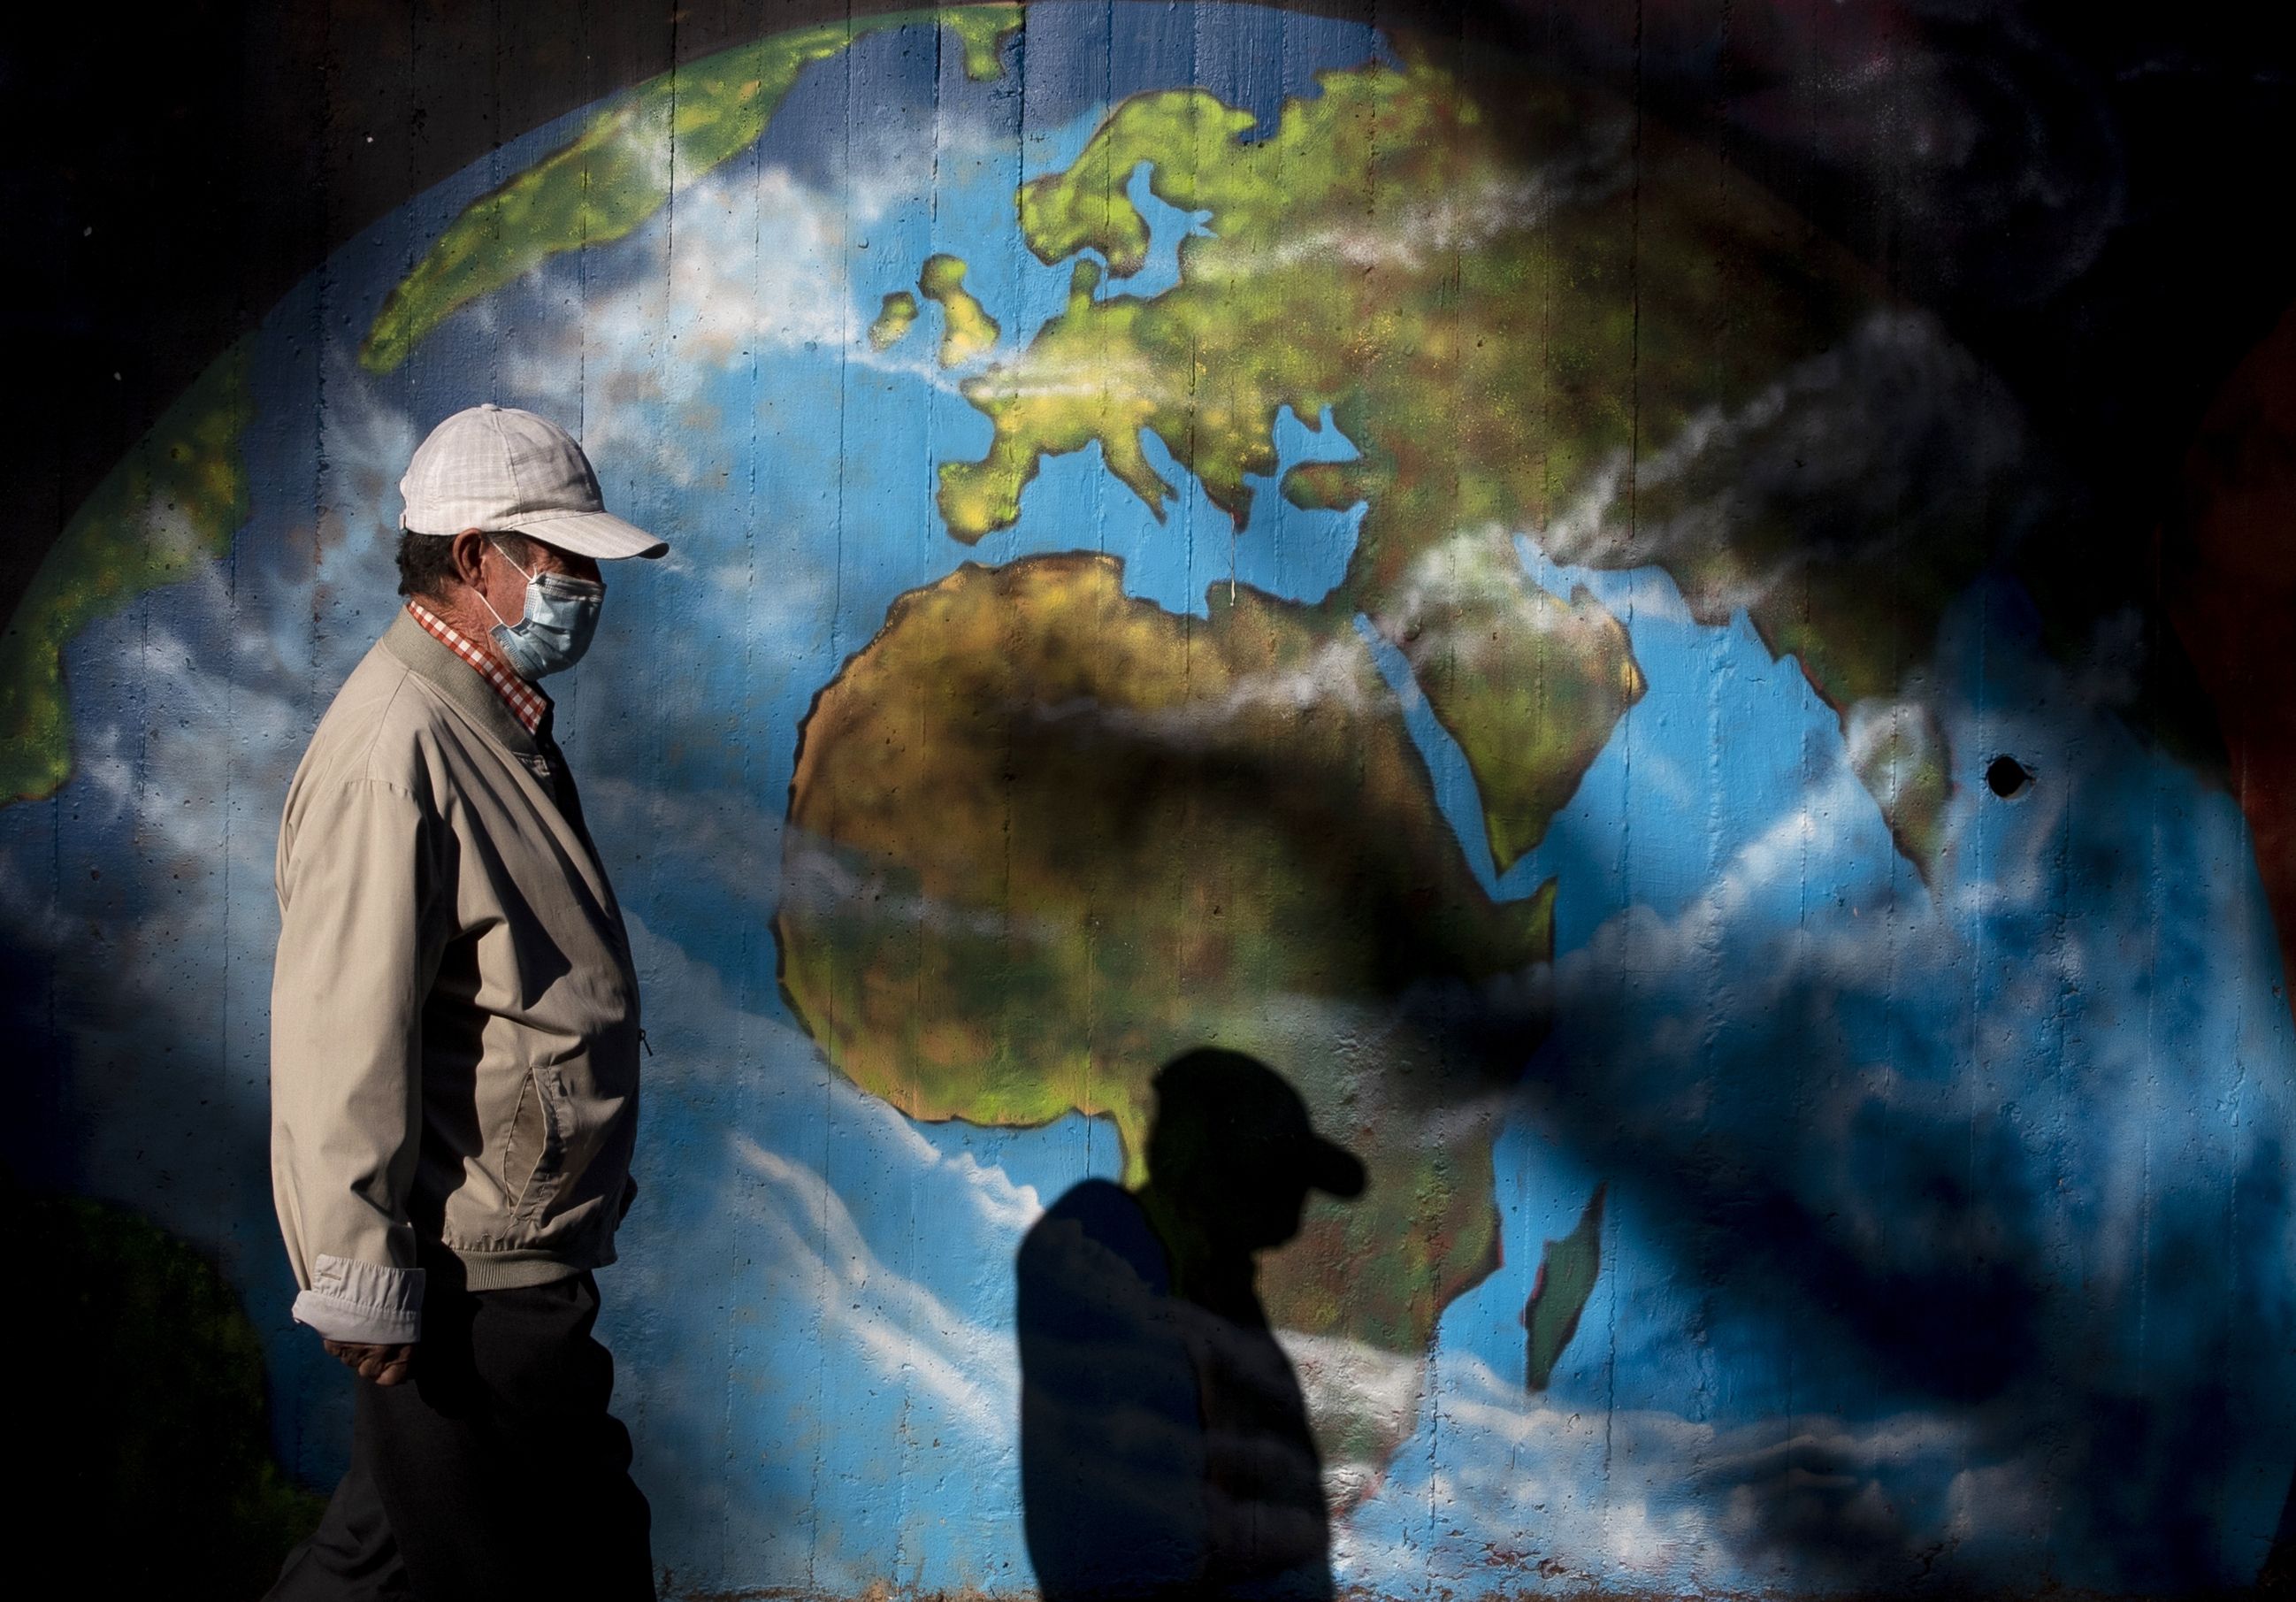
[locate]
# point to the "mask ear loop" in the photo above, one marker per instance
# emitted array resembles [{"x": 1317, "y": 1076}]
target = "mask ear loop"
[
  {"x": 504, "y": 554},
  {"x": 514, "y": 568}
]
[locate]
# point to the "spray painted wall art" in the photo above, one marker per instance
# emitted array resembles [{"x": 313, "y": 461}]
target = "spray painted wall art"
[{"x": 1206, "y": 526}]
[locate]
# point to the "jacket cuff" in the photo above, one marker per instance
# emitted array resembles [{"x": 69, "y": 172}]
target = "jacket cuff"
[{"x": 363, "y": 1302}]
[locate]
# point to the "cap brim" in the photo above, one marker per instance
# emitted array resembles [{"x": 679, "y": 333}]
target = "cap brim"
[{"x": 600, "y": 535}]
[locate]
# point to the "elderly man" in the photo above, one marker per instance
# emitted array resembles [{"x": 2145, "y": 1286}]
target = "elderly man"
[{"x": 455, "y": 1054}]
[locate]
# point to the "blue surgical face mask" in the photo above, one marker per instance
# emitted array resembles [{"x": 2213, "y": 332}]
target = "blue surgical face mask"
[{"x": 562, "y": 614}]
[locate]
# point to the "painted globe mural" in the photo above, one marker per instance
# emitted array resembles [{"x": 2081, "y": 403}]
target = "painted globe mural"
[{"x": 1210, "y": 524}]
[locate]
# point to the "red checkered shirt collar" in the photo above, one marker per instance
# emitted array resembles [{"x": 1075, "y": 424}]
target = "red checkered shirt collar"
[{"x": 527, "y": 704}]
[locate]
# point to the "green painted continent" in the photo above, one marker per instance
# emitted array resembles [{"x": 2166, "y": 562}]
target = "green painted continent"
[
  {"x": 171, "y": 504},
  {"x": 627, "y": 161},
  {"x": 1528, "y": 322},
  {"x": 149, "y": 1421},
  {"x": 968, "y": 332},
  {"x": 896, "y": 315}
]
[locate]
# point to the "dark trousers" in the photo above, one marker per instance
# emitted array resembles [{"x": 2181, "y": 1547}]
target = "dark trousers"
[{"x": 494, "y": 1472}]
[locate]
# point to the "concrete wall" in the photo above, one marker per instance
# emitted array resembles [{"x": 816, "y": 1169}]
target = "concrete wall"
[{"x": 1675, "y": 618}]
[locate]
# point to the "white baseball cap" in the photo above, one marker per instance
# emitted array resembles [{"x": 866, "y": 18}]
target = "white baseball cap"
[{"x": 506, "y": 470}]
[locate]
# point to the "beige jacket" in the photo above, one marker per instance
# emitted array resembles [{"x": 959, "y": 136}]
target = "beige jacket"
[{"x": 454, "y": 1013}]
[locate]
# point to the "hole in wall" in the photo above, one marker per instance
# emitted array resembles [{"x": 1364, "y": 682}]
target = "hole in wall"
[{"x": 2007, "y": 777}]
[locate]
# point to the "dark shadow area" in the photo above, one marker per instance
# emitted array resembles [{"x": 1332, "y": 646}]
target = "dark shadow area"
[
  {"x": 1935, "y": 1278},
  {"x": 1799, "y": 1143},
  {"x": 1164, "y": 1447},
  {"x": 142, "y": 1414}
]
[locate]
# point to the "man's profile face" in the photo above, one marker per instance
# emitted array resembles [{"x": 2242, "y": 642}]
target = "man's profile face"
[
  {"x": 483, "y": 564},
  {"x": 550, "y": 559}
]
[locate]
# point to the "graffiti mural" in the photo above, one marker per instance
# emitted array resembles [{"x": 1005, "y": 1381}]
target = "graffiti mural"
[{"x": 1213, "y": 525}]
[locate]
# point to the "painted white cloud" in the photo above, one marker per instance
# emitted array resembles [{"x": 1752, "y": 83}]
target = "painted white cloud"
[
  {"x": 1437, "y": 228},
  {"x": 855, "y": 1327},
  {"x": 1501, "y": 1492},
  {"x": 744, "y": 262},
  {"x": 892, "y": 1323}
]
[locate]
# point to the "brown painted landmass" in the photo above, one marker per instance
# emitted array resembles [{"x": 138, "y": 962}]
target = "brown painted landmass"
[{"x": 1045, "y": 836}]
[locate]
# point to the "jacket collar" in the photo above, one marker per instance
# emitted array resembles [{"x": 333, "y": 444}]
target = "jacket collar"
[{"x": 459, "y": 684}]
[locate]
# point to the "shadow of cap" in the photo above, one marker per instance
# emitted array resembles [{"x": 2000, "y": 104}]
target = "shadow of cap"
[{"x": 1236, "y": 1110}]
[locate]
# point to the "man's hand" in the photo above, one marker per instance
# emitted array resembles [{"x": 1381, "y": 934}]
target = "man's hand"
[{"x": 385, "y": 1365}]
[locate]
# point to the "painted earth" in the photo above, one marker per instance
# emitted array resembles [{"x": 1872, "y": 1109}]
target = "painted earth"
[{"x": 1205, "y": 523}]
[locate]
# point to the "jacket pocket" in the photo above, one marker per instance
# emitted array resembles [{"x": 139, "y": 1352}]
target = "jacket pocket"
[{"x": 541, "y": 1129}]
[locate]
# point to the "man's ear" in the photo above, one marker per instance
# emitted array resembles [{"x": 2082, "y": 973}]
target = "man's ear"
[{"x": 470, "y": 550}]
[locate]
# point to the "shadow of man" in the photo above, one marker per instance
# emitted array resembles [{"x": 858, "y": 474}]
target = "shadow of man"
[{"x": 1165, "y": 1451}]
